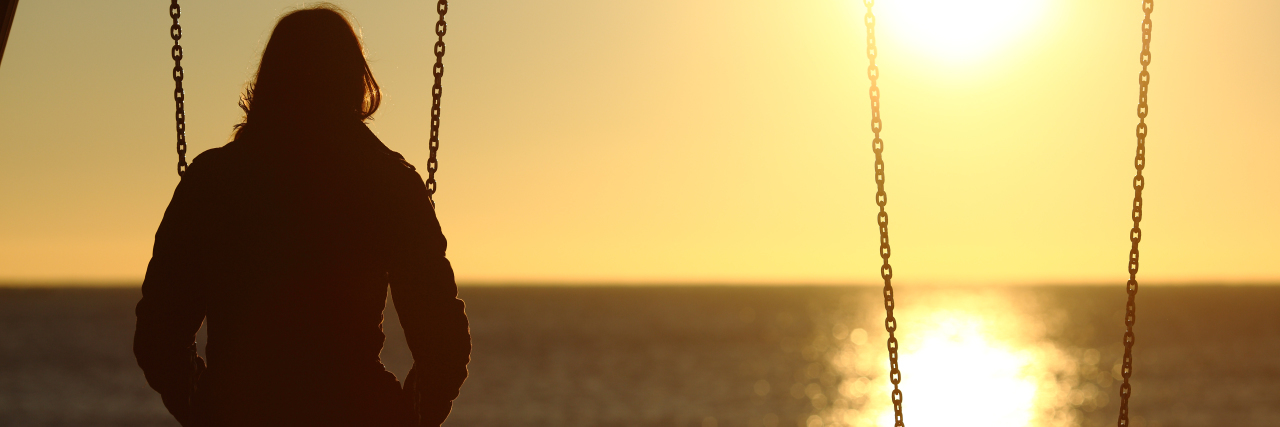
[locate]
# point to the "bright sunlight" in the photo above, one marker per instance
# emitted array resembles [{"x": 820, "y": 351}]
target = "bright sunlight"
[
  {"x": 969, "y": 359},
  {"x": 965, "y": 378},
  {"x": 959, "y": 30}
]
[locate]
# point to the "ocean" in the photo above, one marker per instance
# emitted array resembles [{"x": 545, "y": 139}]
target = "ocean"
[{"x": 750, "y": 356}]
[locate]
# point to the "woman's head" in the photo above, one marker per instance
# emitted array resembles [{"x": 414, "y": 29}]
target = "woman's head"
[{"x": 313, "y": 68}]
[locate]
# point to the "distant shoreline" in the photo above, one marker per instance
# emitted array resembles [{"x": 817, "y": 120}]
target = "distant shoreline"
[{"x": 541, "y": 284}]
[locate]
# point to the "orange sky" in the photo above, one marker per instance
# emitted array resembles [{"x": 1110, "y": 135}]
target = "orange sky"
[{"x": 710, "y": 141}]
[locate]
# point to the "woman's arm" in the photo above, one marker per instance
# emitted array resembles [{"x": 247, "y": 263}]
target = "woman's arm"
[
  {"x": 426, "y": 298},
  {"x": 172, "y": 307}
]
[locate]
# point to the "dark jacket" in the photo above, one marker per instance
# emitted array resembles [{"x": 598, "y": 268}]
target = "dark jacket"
[{"x": 286, "y": 241}]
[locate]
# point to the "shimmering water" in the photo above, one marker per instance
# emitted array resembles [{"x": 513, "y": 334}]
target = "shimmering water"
[{"x": 742, "y": 356}]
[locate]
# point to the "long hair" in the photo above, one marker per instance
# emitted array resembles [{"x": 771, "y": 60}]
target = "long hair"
[{"x": 313, "y": 70}]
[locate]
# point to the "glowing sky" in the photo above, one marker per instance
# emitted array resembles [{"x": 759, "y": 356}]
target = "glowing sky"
[{"x": 709, "y": 141}]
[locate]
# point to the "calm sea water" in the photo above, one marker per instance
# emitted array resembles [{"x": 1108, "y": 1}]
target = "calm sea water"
[{"x": 742, "y": 356}]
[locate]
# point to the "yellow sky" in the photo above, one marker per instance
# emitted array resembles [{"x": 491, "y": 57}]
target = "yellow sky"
[{"x": 708, "y": 141}]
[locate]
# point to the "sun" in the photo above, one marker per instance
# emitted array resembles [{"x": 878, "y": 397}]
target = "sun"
[{"x": 958, "y": 30}]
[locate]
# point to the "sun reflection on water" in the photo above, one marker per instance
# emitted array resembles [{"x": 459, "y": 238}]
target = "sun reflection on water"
[{"x": 968, "y": 359}]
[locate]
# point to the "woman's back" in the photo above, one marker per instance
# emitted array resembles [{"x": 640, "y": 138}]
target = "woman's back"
[
  {"x": 297, "y": 243},
  {"x": 287, "y": 239}
]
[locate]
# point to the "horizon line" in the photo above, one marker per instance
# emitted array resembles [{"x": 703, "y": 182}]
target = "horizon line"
[{"x": 109, "y": 284}]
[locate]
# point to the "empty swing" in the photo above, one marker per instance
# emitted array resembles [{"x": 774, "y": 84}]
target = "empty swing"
[{"x": 1135, "y": 233}]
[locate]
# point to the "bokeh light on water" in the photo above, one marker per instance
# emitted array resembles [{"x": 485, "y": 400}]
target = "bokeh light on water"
[{"x": 969, "y": 358}]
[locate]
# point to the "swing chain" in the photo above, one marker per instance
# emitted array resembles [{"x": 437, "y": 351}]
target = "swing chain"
[
  {"x": 179, "y": 97},
  {"x": 1135, "y": 234},
  {"x": 442, "y": 7},
  {"x": 882, "y": 219}
]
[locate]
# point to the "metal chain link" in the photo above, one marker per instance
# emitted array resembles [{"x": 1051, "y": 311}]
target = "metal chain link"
[
  {"x": 882, "y": 219},
  {"x": 1135, "y": 233},
  {"x": 179, "y": 97},
  {"x": 442, "y": 7}
]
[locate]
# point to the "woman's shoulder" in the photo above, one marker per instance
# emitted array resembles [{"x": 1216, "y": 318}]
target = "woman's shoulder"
[
  {"x": 208, "y": 160},
  {"x": 217, "y": 160},
  {"x": 226, "y": 153},
  {"x": 387, "y": 157},
  {"x": 366, "y": 153},
  {"x": 212, "y": 155}
]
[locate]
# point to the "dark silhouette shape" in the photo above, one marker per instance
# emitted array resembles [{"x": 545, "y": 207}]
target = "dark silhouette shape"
[
  {"x": 7, "y": 10},
  {"x": 286, "y": 239}
]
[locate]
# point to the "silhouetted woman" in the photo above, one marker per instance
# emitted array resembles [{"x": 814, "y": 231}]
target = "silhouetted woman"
[{"x": 286, "y": 240}]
